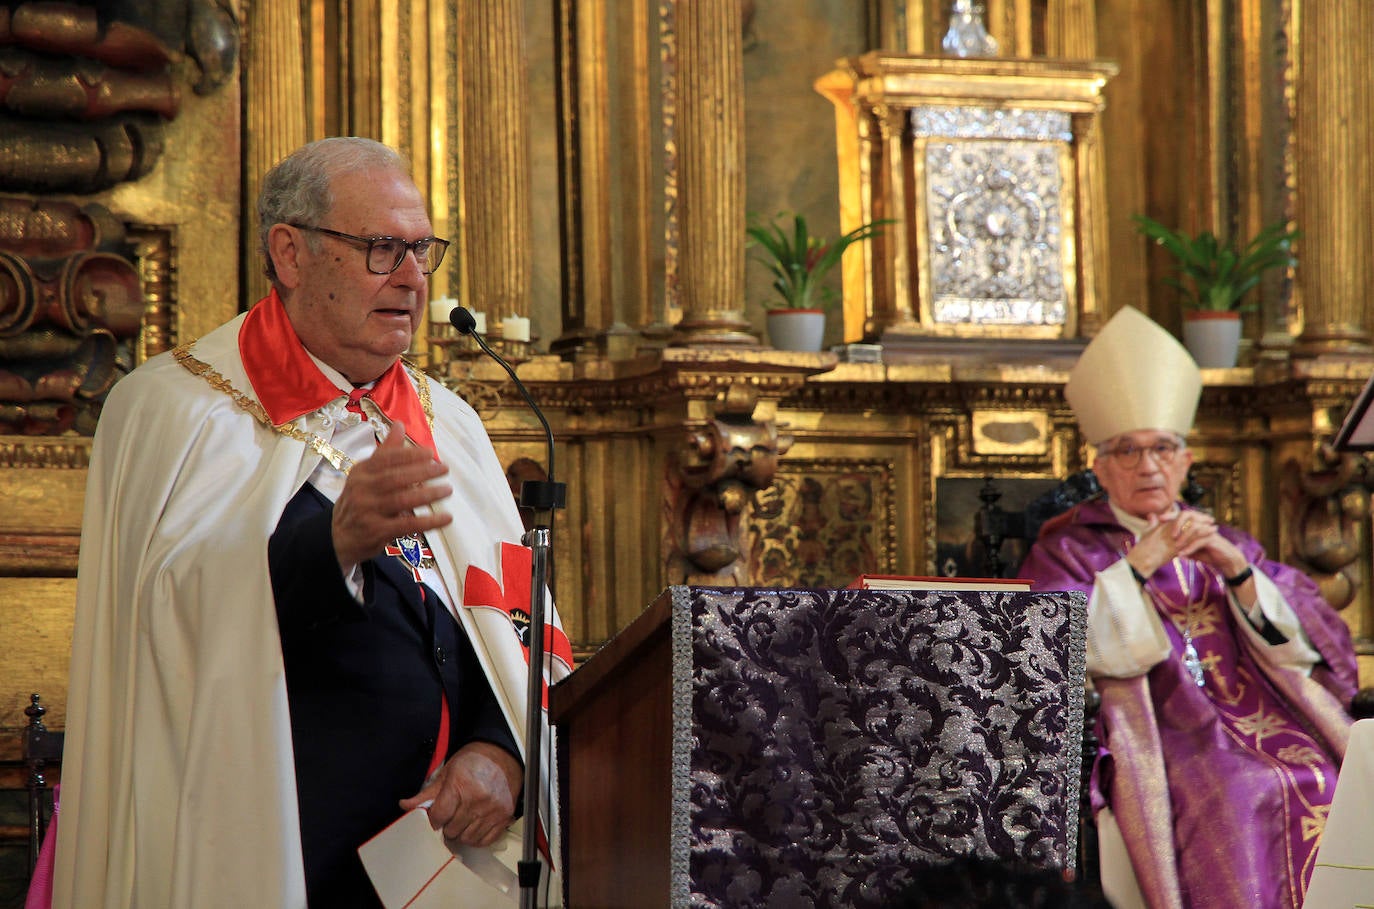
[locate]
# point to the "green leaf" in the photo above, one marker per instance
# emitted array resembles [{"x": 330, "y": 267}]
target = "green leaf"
[
  {"x": 1217, "y": 274},
  {"x": 799, "y": 261}
]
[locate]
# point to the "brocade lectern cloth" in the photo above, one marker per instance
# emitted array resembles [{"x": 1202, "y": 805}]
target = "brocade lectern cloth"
[{"x": 827, "y": 741}]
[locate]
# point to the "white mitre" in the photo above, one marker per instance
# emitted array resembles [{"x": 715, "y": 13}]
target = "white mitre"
[{"x": 1133, "y": 376}]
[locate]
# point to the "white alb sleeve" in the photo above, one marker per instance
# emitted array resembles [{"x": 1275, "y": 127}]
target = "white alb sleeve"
[
  {"x": 1296, "y": 652},
  {"x": 1126, "y": 636}
]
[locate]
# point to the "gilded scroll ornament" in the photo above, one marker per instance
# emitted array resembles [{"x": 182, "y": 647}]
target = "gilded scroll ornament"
[
  {"x": 721, "y": 464},
  {"x": 85, "y": 92},
  {"x": 1327, "y": 510},
  {"x": 71, "y": 307}
]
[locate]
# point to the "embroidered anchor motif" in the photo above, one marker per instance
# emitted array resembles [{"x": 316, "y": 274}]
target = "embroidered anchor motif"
[{"x": 411, "y": 551}]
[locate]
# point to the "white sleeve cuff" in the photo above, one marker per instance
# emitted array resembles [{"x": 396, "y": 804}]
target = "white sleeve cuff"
[
  {"x": 1297, "y": 651},
  {"x": 1126, "y": 636},
  {"x": 353, "y": 580}
]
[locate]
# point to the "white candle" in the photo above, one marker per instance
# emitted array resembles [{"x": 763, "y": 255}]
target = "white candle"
[
  {"x": 515, "y": 328},
  {"x": 440, "y": 308},
  {"x": 480, "y": 318}
]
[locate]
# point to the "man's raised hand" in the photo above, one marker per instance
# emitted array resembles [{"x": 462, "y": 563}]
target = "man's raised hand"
[{"x": 380, "y": 496}]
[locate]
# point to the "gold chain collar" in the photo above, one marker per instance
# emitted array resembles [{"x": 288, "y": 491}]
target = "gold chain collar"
[{"x": 254, "y": 408}]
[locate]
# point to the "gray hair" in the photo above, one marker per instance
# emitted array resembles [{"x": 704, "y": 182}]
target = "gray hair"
[{"x": 296, "y": 191}]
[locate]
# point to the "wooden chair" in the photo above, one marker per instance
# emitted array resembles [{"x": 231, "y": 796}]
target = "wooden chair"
[{"x": 42, "y": 751}]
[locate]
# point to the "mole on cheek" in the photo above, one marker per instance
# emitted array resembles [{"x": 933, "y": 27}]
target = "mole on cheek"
[
  {"x": 338, "y": 258},
  {"x": 331, "y": 296}
]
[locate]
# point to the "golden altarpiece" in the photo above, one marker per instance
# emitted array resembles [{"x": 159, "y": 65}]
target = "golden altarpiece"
[{"x": 694, "y": 452}]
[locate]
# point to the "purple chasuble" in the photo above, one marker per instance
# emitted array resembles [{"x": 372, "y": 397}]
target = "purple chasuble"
[{"x": 1221, "y": 791}]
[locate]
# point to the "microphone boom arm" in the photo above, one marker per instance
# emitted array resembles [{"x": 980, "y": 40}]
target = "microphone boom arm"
[{"x": 543, "y": 497}]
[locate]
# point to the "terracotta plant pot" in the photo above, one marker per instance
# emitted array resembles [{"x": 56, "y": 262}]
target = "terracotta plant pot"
[
  {"x": 1213, "y": 338},
  {"x": 796, "y": 329}
]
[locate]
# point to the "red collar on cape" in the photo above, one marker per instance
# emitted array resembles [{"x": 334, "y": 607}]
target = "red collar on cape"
[{"x": 289, "y": 384}]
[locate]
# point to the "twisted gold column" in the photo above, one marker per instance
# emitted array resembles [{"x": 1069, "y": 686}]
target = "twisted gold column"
[
  {"x": 495, "y": 220},
  {"x": 710, "y": 162},
  {"x": 1333, "y": 151},
  {"x": 274, "y": 115}
]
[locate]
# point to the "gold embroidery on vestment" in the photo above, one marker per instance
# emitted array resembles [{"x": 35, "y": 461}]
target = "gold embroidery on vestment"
[
  {"x": 1314, "y": 825},
  {"x": 1261, "y": 725}
]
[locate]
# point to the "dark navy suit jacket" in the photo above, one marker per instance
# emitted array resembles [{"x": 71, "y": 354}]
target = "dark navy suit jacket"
[{"x": 364, "y": 681}]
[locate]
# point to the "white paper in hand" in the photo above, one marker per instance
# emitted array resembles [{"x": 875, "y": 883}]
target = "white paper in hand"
[{"x": 413, "y": 868}]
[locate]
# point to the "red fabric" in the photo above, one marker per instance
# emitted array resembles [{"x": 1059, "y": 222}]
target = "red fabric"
[
  {"x": 441, "y": 746},
  {"x": 481, "y": 589},
  {"x": 40, "y": 885},
  {"x": 354, "y": 404},
  {"x": 441, "y": 743},
  {"x": 289, "y": 384}
]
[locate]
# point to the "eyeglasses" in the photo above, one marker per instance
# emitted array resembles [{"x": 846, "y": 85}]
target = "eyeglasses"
[
  {"x": 1129, "y": 455},
  {"x": 385, "y": 254}
]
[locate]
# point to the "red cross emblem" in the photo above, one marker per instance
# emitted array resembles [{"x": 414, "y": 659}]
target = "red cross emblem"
[
  {"x": 481, "y": 589},
  {"x": 412, "y": 553}
]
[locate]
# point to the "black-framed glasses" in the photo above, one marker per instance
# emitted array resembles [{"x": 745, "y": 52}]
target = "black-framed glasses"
[
  {"x": 385, "y": 254},
  {"x": 1129, "y": 455}
]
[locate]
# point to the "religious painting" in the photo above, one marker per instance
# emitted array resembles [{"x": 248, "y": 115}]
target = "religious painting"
[
  {"x": 958, "y": 551},
  {"x": 822, "y": 523}
]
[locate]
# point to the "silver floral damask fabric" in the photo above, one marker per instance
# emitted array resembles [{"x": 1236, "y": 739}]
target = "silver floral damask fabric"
[{"x": 830, "y": 741}]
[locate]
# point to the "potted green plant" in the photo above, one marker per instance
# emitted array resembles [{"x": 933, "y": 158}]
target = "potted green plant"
[
  {"x": 799, "y": 263},
  {"x": 1219, "y": 276}
]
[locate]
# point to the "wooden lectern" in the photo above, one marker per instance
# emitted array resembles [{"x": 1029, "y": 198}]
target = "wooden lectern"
[{"x": 811, "y": 747}]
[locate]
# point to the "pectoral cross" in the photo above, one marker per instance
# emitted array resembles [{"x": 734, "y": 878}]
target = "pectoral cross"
[{"x": 1193, "y": 664}]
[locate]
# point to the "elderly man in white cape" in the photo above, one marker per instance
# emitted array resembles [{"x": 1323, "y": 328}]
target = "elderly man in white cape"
[{"x": 180, "y": 788}]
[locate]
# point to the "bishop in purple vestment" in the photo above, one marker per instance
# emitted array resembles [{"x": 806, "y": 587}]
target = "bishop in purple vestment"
[{"x": 1224, "y": 675}]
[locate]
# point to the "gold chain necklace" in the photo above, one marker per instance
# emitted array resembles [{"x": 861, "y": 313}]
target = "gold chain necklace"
[
  {"x": 1191, "y": 660},
  {"x": 410, "y": 549}
]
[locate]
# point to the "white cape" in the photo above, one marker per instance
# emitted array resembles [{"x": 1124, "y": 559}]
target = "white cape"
[{"x": 178, "y": 781}]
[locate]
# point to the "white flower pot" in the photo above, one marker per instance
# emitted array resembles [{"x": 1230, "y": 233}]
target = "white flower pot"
[
  {"x": 1213, "y": 338},
  {"x": 796, "y": 329}
]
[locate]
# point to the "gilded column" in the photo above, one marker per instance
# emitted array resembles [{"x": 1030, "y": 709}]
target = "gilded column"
[
  {"x": 586, "y": 174},
  {"x": 495, "y": 220},
  {"x": 1071, "y": 29},
  {"x": 710, "y": 171},
  {"x": 274, "y": 115},
  {"x": 1333, "y": 151},
  {"x": 1071, "y": 33}
]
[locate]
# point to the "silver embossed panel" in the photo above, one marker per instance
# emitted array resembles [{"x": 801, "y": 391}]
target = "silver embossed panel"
[
  {"x": 990, "y": 123},
  {"x": 996, "y": 237}
]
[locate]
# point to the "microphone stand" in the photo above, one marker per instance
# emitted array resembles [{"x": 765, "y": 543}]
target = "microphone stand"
[{"x": 542, "y": 497}]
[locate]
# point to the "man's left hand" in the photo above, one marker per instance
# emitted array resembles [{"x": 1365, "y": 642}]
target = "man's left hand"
[
  {"x": 1197, "y": 536},
  {"x": 473, "y": 794}
]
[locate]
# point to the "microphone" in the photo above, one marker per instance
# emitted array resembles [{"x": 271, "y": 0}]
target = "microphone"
[
  {"x": 543, "y": 496},
  {"x": 540, "y": 495}
]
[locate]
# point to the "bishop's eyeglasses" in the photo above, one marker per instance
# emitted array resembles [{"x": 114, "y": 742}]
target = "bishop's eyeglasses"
[
  {"x": 1128, "y": 455},
  {"x": 385, "y": 254}
]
